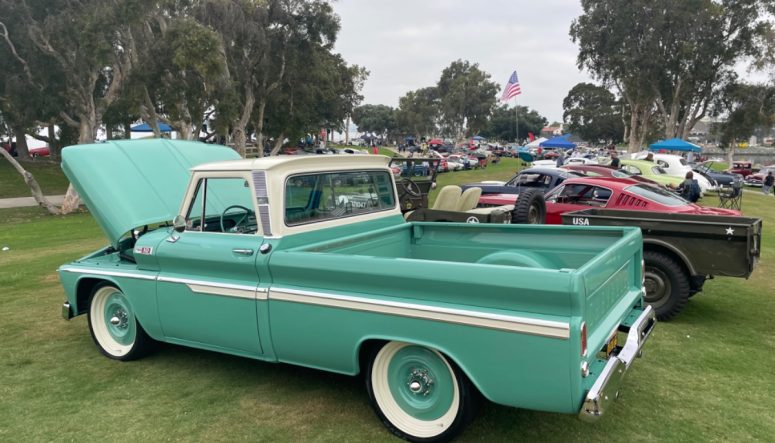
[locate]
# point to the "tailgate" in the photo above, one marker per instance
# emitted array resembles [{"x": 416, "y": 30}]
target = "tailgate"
[{"x": 613, "y": 284}]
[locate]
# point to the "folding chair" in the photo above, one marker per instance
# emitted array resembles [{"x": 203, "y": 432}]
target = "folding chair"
[{"x": 732, "y": 197}]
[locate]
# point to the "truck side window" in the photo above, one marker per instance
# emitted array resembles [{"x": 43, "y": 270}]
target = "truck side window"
[
  {"x": 326, "y": 196},
  {"x": 222, "y": 205}
]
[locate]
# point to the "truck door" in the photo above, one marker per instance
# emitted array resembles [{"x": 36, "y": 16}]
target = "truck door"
[{"x": 206, "y": 291}]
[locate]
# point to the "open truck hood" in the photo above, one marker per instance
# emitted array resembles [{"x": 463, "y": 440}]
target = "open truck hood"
[{"x": 131, "y": 183}]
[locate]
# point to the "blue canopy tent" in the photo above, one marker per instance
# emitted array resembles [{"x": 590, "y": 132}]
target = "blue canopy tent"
[
  {"x": 145, "y": 127},
  {"x": 558, "y": 142},
  {"x": 478, "y": 138},
  {"x": 674, "y": 144}
]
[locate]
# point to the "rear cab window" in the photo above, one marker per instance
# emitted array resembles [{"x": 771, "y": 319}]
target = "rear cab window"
[
  {"x": 657, "y": 195},
  {"x": 332, "y": 195}
]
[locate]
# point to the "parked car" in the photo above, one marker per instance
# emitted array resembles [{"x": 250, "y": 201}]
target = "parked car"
[
  {"x": 612, "y": 193},
  {"x": 39, "y": 151},
  {"x": 580, "y": 161},
  {"x": 464, "y": 160},
  {"x": 651, "y": 171},
  {"x": 757, "y": 178},
  {"x": 543, "y": 179},
  {"x": 676, "y": 166},
  {"x": 606, "y": 171},
  {"x": 722, "y": 178},
  {"x": 262, "y": 260},
  {"x": 743, "y": 168}
]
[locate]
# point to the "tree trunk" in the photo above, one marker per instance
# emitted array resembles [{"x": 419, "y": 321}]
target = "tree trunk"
[
  {"x": 127, "y": 130},
  {"x": 32, "y": 184},
  {"x": 731, "y": 152},
  {"x": 109, "y": 132},
  {"x": 260, "y": 128},
  {"x": 634, "y": 126},
  {"x": 278, "y": 144},
  {"x": 86, "y": 134},
  {"x": 22, "y": 151},
  {"x": 54, "y": 144},
  {"x": 347, "y": 131},
  {"x": 240, "y": 139}
]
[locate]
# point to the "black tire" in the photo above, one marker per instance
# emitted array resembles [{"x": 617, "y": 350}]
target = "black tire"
[
  {"x": 428, "y": 376},
  {"x": 667, "y": 286},
  {"x": 530, "y": 208},
  {"x": 124, "y": 340}
]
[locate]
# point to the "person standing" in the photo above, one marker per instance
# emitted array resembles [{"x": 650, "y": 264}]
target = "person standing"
[
  {"x": 767, "y": 184},
  {"x": 615, "y": 162},
  {"x": 690, "y": 188},
  {"x": 560, "y": 159}
]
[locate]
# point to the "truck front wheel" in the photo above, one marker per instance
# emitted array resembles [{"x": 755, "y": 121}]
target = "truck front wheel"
[
  {"x": 667, "y": 286},
  {"x": 113, "y": 325},
  {"x": 418, "y": 394}
]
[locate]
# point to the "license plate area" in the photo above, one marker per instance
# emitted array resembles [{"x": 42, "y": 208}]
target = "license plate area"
[{"x": 611, "y": 347}]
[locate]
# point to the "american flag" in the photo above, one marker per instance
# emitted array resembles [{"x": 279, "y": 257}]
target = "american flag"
[{"x": 512, "y": 88}]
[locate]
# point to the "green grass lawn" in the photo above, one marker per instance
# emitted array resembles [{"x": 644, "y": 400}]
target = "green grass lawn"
[
  {"x": 706, "y": 376},
  {"x": 48, "y": 175}
]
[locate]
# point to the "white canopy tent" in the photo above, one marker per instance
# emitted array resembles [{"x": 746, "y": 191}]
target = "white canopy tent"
[{"x": 535, "y": 143}]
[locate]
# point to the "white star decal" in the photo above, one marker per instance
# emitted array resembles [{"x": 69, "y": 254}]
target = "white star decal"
[{"x": 730, "y": 231}]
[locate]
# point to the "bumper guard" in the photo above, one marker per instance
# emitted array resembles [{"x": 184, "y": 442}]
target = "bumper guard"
[{"x": 606, "y": 387}]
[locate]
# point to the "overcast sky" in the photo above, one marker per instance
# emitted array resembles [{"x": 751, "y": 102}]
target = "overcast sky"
[{"x": 406, "y": 44}]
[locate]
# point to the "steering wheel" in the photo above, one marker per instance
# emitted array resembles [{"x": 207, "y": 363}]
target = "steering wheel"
[
  {"x": 240, "y": 221},
  {"x": 410, "y": 188}
]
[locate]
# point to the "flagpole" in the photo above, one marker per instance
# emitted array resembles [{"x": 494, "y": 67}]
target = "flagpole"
[{"x": 516, "y": 114}]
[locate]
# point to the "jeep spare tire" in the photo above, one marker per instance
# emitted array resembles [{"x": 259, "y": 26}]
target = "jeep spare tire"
[{"x": 530, "y": 208}]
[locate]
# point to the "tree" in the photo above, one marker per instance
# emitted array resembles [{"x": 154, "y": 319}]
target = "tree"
[
  {"x": 418, "y": 112},
  {"x": 466, "y": 98},
  {"x": 502, "y": 124},
  {"x": 667, "y": 58},
  {"x": 243, "y": 27},
  {"x": 593, "y": 113},
  {"x": 379, "y": 119},
  {"x": 747, "y": 107}
]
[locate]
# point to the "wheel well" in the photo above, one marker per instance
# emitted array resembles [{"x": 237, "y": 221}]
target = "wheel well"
[
  {"x": 370, "y": 345},
  {"x": 83, "y": 292},
  {"x": 669, "y": 253}
]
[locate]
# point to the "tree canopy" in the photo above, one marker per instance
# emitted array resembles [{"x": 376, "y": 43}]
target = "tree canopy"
[
  {"x": 668, "y": 59},
  {"x": 593, "y": 113}
]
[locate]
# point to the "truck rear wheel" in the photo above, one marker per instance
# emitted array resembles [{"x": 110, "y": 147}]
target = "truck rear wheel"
[
  {"x": 667, "y": 286},
  {"x": 418, "y": 394},
  {"x": 530, "y": 208}
]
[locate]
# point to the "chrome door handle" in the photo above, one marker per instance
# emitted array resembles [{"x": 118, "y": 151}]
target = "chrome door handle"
[{"x": 247, "y": 252}]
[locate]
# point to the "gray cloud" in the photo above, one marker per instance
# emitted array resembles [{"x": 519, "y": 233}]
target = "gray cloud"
[{"x": 406, "y": 44}]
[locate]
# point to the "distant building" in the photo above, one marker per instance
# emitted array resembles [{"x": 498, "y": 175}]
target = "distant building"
[{"x": 551, "y": 131}]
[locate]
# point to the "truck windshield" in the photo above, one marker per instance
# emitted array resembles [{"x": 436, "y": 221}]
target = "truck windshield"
[
  {"x": 326, "y": 196},
  {"x": 657, "y": 195}
]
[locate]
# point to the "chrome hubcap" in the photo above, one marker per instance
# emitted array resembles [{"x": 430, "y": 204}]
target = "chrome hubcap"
[
  {"x": 419, "y": 382},
  {"x": 120, "y": 319}
]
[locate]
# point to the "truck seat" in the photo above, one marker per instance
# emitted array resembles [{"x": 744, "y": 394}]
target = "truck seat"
[
  {"x": 448, "y": 198},
  {"x": 469, "y": 199}
]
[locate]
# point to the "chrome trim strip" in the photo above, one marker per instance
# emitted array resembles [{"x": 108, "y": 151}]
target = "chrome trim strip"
[
  {"x": 210, "y": 284},
  {"x": 228, "y": 292},
  {"x": 509, "y": 323},
  {"x": 79, "y": 270}
]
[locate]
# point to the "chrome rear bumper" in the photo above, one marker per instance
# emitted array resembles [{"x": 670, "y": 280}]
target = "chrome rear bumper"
[{"x": 606, "y": 387}]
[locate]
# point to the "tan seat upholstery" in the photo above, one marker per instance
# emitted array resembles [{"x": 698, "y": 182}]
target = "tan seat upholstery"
[
  {"x": 469, "y": 199},
  {"x": 448, "y": 198}
]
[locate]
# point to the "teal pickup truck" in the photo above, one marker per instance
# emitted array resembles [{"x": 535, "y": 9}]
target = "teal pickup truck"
[{"x": 307, "y": 260}]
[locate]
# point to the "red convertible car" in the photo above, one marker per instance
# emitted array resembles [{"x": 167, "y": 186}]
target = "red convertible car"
[{"x": 613, "y": 193}]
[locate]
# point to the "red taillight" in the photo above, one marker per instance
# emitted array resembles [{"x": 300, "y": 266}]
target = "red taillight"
[{"x": 584, "y": 338}]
